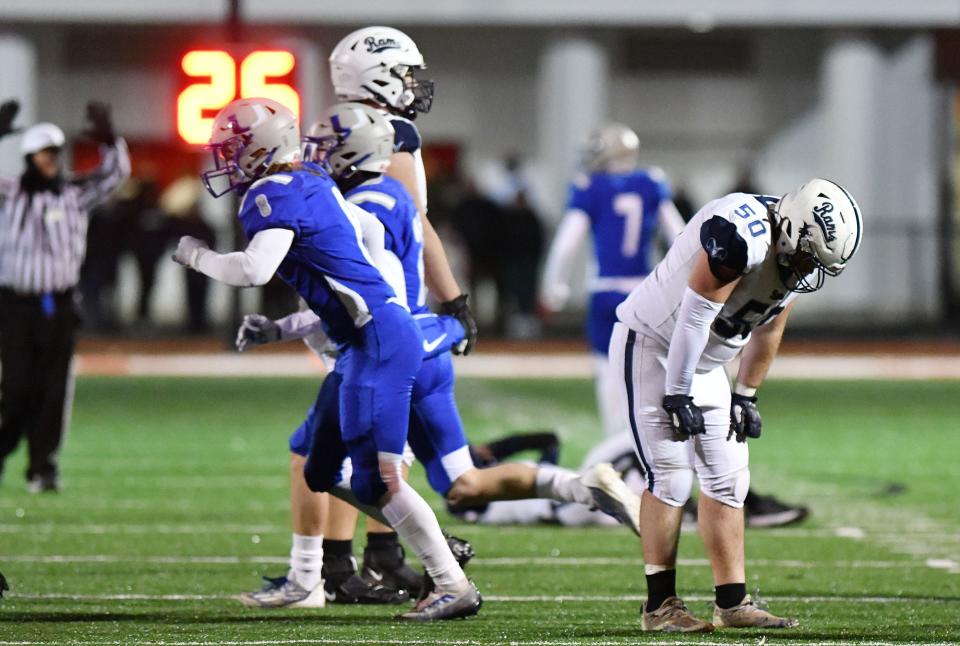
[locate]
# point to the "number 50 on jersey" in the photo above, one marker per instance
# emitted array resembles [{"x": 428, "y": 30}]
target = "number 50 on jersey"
[{"x": 216, "y": 77}]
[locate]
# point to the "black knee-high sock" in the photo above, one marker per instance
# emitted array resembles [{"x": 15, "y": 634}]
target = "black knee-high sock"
[{"x": 660, "y": 587}]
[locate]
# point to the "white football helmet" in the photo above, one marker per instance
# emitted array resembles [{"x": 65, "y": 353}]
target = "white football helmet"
[
  {"x": 249, "y": 136},
  {"x": 817, "y": 224},
  {"x": 350, "y": 137},
  {"x": 612, "y": 147},
  {"x": 378, "y": 63}
]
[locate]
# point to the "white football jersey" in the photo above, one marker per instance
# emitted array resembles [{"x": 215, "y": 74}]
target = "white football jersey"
[{"x": 735, "y": 231}]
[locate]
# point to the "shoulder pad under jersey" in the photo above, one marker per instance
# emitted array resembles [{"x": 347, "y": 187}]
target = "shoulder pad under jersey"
[{"x": 406, "y": 137}]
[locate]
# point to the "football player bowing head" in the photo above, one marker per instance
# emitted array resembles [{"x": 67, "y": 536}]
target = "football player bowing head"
[
  {"x": 724, "y": 289},
  {"x": 300, "y": 228}
]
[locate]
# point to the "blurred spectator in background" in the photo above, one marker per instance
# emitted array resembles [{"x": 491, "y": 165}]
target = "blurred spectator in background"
[
  {"x": 745, "y": 182},
  {"x": 480, "y": 223},
  {"x": 522, "y": 240},
  {"x": 106, "y": 241},
  {"x": 684, "y": 204},
  {"x": 43, "y": 237}
]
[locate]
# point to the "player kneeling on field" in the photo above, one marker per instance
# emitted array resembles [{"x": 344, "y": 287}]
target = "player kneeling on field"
[{"x": 726, "y": 286}]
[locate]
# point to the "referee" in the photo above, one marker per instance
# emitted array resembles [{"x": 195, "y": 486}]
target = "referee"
[{"x": 43, "y": 239}]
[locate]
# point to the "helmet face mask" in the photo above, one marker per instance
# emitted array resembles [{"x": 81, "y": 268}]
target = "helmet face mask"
[
  {"x": 318, "y": 150},
  {"x": 226, "y": 175},
  {"x": 418, "y": 93}
]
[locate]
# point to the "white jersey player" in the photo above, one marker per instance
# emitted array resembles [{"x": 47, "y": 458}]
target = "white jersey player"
[
  {"x": 379, "y": 66},
  {"x": 726, "y": 287}
]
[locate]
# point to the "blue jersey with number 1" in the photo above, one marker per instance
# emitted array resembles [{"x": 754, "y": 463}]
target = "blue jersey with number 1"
[
  {"x": 623, "y": 211},
  {"x": 389, "y": 201}
]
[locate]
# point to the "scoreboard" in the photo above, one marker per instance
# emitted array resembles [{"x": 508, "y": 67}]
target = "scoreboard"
[{"x": 212, "y": 78}]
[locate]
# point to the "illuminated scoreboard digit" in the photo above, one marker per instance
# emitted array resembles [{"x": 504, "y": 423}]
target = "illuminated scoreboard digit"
[{"x": 215, "y": 78}]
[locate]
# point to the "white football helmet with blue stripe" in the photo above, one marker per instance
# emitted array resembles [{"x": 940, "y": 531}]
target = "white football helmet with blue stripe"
[
  {"x": 350, "y": 137},
  {"x": 378, "y": 64},
  {"x": 818, "y": 224}
]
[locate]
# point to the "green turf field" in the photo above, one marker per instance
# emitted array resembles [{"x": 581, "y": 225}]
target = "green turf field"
[{"x": 175, "y": 499}]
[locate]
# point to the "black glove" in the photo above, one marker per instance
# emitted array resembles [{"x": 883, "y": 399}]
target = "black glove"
[
  {"x": 8, "y": 112},
  {"x": 101, "y": 127},
  {"x": 459, "y": 309},
  {"x": 744, "y": 418},
  {"x": 3, "y": 585},
  {"x": 686, "y": 416}
]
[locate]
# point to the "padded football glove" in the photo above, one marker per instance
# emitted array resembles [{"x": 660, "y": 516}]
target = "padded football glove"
[
  {"x": 256, "y": 329},
  {"x": 101, "y": 126},
  {"x": 460, "y": 310},
  {"x": 687, "y": 418},
  {"x": 744, "y": 418},
  {"x": 189, "y": 250},
  {"x": 8, "y": 112}
]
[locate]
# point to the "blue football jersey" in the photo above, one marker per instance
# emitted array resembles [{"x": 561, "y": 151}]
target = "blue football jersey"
[
  {"x": 389, "y": 201},
  {"x": 327, "y": 263},
  {"x": 623, "y": 211}
]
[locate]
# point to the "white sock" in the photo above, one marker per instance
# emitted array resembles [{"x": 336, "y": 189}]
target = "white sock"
[
  {"x": 562, "y": 484},
  {"x": 306, "y": 560},
  {"x": 414, "y": 521}
]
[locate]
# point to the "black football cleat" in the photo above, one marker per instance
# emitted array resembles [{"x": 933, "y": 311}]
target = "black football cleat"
[
  {"x": 342, "y": 584},
  {"x": 386, "y": 566}
]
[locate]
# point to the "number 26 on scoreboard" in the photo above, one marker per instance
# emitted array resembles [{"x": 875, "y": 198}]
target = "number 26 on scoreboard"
[{"x": 217, "y": 83}]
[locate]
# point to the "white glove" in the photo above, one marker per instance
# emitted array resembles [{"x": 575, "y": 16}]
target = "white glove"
[
  {"x": 256, "y": 329},
  {"x": 189, "y": 250}
]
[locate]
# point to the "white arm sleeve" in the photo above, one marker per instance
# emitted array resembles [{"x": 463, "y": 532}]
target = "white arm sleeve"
[
  {"x": 255, "y": 265},
  {"x": 298, "y": 325},
  {"x": 671, "y": 222},
  {"x": 375, "y": 242},
  {"x": 570, "y": 234},
  {"x": 690, "y": 336}
]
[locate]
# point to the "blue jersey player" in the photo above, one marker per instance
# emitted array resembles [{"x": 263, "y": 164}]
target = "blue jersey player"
[
  {"x": 623, "y": 207},
  {"x": 354, "y": 142},
  {"x": 300, "y": 228}
]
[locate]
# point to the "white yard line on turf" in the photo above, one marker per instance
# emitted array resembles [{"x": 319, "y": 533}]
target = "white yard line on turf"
[
  {"x": 480, "y": 562},
  {"x": 57, "y": 596},
  {"x": 122, "y": 528},
  {"x": 440, "y": 642},
  {"x": 942, "y": 536},
  {"x": 514, "y": 365}
]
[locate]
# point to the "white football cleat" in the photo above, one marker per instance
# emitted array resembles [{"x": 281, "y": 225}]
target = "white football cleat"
[
  {"x": 284, "y": 593},
  {"x": 446, "y": 605},
  {"x": 612, "y": 496}
]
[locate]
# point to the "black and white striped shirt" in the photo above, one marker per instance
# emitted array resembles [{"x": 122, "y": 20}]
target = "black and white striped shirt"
[{"x": 43, "y": 237}]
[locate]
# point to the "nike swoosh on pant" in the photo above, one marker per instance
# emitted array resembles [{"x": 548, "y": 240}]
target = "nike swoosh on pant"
[{"x": 430, "y": 346}]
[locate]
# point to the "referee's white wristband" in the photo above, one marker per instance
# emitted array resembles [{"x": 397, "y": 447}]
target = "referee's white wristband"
[{"x": 746, "y": 391}]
